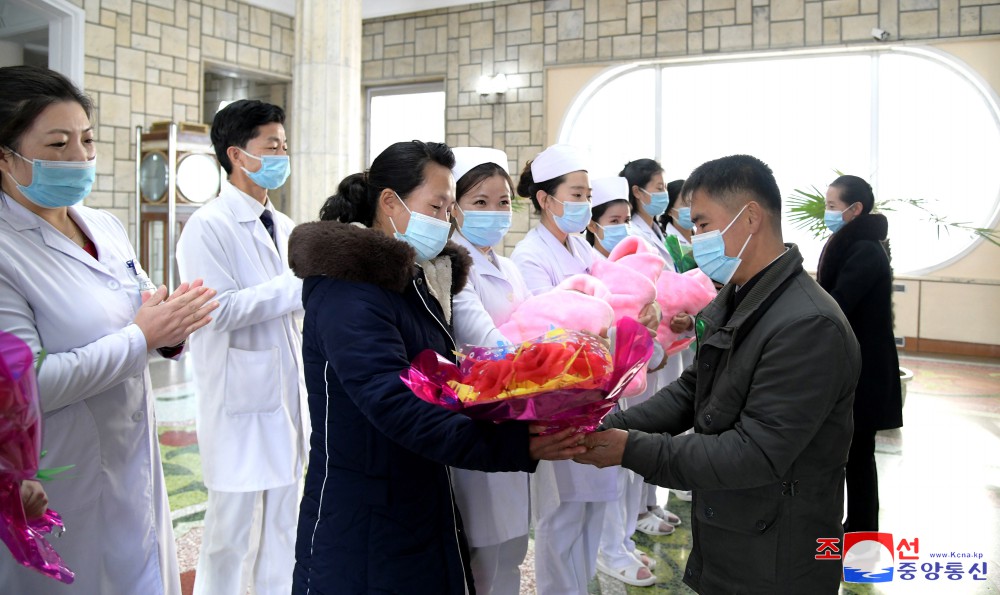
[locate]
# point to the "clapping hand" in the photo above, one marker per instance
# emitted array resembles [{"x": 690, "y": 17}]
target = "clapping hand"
[{"x": 167, "y": 321}]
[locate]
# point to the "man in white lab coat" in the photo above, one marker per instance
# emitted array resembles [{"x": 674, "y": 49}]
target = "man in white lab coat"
[{"x": 253, "y": 422}]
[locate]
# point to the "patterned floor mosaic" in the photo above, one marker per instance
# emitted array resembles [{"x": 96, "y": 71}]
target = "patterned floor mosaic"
[{"x": 939, "y": 480}]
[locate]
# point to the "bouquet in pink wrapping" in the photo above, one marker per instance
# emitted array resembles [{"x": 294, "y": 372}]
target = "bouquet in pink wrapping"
[
  {"x": 562, "y": 379},
  {"x": 20, "y": 443}
]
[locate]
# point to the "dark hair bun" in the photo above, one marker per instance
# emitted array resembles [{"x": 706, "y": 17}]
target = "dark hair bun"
[
  {"x": 351, "y": 202},
  {"x": 525, "y": 182}
]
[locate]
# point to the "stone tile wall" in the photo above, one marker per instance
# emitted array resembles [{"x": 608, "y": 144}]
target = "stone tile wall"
[
  {"x": 144, "y": 63},
  {"x": 523, "y": 38}
]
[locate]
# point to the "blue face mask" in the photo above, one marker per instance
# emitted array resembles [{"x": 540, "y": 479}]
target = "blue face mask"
[
  {"x": 684, "y": 218},
  {"x": 273, "y": 172},
  {"x": 426, "y": 235},
  {"x": 834, "y": 220},
  {"x": 709, "y": 251},
  {"x": 57, "y": 184},
  {"x": 485, "y": 228},
  {"x": 658, "y": 202},
  {"x": 575, "y": 217},
  {"x": 613, "y": 235}
]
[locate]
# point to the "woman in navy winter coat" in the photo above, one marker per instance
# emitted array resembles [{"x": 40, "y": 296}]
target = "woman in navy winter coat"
[{"x": 378, "y": 514}]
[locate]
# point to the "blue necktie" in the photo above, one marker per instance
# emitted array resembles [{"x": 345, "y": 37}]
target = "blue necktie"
[{"x": 268, "y": 220}]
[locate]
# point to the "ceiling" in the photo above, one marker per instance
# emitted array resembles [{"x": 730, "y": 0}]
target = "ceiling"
[{"x": 23, "y": 23}]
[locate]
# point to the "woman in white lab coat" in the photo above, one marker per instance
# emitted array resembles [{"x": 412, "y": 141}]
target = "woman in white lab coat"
[
  {"x": 617, "y": 555},
  {"x": 494, "y": 506},
  {"x": 676, "y": 222},
  {"x": 569, "y": 498},
  {"x": 70, "y": 285},
  {"x": 649, "y": 199}
]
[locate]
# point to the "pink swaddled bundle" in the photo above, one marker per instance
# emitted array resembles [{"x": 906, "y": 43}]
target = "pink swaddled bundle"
[
  {"x": 580, "y": 303},
  {"x": 619, "y": 287},
  {"x": 583, "y": 303},
  {"x": 681, "y": 292},
  {"x": 675, "y": 293}
]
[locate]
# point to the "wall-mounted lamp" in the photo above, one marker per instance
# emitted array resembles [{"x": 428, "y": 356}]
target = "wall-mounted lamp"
[
  {"x": 880, "y": 34},
  {"x": 492, "y": 88}
]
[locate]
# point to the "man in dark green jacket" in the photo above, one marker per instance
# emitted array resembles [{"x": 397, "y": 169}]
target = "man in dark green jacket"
[{"x": 769, "y": 396}]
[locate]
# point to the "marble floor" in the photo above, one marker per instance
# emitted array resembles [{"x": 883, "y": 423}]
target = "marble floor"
[{"x": 939, "y": 481}]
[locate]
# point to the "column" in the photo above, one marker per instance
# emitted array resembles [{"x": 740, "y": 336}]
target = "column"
[{"x": 326, "y": 136}]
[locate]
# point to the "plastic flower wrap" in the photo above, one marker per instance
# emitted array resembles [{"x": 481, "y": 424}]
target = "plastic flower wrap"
[
  {"x": 561, "y": 379},
  {"x": 20, "y": 443}
]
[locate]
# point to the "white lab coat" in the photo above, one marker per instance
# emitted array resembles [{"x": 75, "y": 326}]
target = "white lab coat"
[
  {"x": 494, "y": 505},
  {"x": 654, "y": 236},
  {"x": 545, "y": 262},
  {"x": 253, "y": 424},
  {"x": 674, "y": 231},
  {"x": 97, "y": 404}
]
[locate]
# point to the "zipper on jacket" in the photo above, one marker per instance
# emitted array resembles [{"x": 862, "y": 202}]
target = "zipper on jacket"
[
  {"x": 447, "y": 470},
  {"x": 454, "y": 525},
  {"x": 434, "y": 316}
]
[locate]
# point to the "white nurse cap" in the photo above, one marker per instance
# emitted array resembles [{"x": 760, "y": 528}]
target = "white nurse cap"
[
  {"x": 467, "y": 158},
  {"x": 557, "y": 160},
  {"x": 605, "y": 190}
]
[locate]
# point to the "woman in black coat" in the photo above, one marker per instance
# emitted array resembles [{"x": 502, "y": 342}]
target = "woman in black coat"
[
  {"x": 854, "y": 269},
  {"x": 378, "y": 514}
]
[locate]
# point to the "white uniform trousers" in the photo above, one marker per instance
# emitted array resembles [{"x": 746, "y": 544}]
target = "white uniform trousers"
[
  {"x": 495, "y": 568},
  {"x": 566, "y": 544},
  {"x": 248, "y": 541},
  {"x": 620, "y": 518}
]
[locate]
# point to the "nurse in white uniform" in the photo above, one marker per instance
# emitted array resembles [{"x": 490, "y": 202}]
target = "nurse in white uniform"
[
  {"x": 494, "y": 506},
  {"x": 569, "y": 498},
  {"x": 649, "y": 198},
  {"x": 678, "y": 224},
  {"x": 70, "y": 285},
  {"x": 617, "y": 555}
]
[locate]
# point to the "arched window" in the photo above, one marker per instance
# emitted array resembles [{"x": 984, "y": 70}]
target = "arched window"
[{"x": 915, "y": 122}]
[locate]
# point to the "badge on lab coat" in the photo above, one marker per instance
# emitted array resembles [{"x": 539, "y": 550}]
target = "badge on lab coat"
[{"x": 145, "y": 284}]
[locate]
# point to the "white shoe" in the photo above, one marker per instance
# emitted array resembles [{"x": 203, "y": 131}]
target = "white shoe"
[
  {"x": 650, "y": 524},
  {"x": 684, "y": 495},
  {"x": 628, "y": 575},
  {"x": 665, "y": 515}
]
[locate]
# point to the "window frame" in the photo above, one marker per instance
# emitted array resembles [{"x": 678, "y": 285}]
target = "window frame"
[{"x": 986, "y": 93}]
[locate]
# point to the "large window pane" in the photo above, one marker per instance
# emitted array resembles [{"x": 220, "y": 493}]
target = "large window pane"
[
  {"x": 805, "y": 117},
  {"x": 618, "y": 123},
  {"x": 939, "y": 143},
  {"x": 911, "y": 122},
  {"x": 414, "y": 112}
]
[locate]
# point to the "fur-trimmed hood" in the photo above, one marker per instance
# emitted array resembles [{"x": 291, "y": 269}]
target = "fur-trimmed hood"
[{"x": 360, "y": 254}]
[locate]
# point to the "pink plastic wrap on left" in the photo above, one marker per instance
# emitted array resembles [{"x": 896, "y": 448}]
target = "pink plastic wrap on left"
[
  {"x": 20, "y": 444},
  {"x": 430, "y": 372}
]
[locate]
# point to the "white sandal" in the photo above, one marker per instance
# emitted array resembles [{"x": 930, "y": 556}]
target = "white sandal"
[
  {"x": 665, "y": 515},
  {"x": 628, "y": 575},
  {"x": 653, "y": 525},
  {"x": 647, "y": 560}
]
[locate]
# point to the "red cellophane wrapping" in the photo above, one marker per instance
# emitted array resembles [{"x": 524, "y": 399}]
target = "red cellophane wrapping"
[{"x": 562, "y": 379}]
